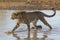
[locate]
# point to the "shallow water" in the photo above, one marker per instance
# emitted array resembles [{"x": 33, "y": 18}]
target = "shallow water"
[{"x": 6, "y": 24}]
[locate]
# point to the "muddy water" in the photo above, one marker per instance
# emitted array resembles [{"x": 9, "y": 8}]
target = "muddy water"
[{"x": 6, "y": 25}]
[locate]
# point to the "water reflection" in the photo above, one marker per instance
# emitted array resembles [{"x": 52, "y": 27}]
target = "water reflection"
[
  {"x": 34, "y": 34},
  {"x": 16, "y": 36},
  {"x": 44, "y": 37},
  {"x": 36, "y": 38}
]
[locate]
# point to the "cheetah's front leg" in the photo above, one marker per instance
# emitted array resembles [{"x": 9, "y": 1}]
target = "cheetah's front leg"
[{"x": 17, "y": 25}]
